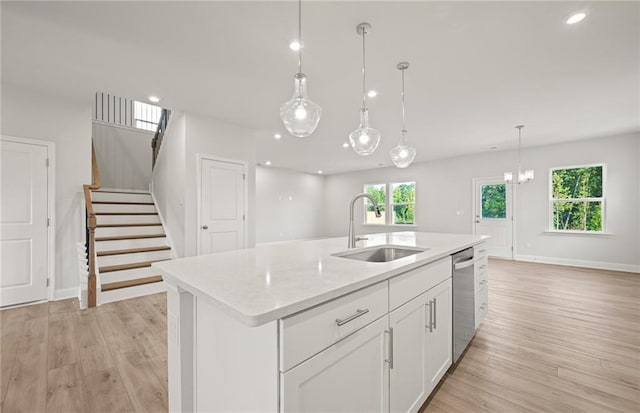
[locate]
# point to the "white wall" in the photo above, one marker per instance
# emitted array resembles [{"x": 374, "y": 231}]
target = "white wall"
[
  {"x": 289, "y": 205},
  {"x": 175, "y": 174},
  {"x": 444, "y": 199},
  {"x": 169, "y": 181},
  {"x": 123, "y": 155},
  {"x": 32, "y": 115}
]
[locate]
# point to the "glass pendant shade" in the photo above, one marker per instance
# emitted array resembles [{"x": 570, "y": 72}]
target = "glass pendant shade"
[
  {"x": 523, "y": 176},
  {"x": 300, "y": 115},
  {"x": 402, "y": 155},
  {"x": 365, "y": 139}
]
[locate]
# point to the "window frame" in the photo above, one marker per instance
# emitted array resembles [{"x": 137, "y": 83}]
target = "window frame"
[
  {"x": 388, "y": 204},
  {"x": 601, "y": 199}
]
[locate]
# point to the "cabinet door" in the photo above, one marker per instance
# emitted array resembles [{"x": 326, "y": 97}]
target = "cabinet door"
[
  {"x": 350, "y": 376},
  {"x": 408, "y": 375},
  {"x": 439, "y": 339}
]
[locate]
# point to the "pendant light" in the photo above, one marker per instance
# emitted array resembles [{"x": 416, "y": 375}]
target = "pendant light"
[
  {"x": 523, "y": 176},
  {"x": 402, "y": 155},
  {"x": 300, "y": 115},
  {"x": 365, "y": 139}
]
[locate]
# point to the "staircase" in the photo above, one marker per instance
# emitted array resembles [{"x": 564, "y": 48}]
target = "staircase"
[{"x": 129, "y": 236}]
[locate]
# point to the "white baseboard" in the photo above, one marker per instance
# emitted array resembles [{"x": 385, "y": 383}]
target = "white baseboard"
[
  {"x": 580, "y": 263},
  {"x": 64, "y": 293}
]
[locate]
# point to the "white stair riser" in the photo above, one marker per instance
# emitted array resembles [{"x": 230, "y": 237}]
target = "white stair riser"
[
  {"x": 130, "y": 244},
  {"x": 126, "y": 275},
  {"x": 128, "y": 219},
  {"x": 122, "y": 231},
  {"x": 120, "y": 197},
  {"x": 133, "y": 258},
  {"x": 130, "y": 292},
  {"x": 123, "y": 208}
]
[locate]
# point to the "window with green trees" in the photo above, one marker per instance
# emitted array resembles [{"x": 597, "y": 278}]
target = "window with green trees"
[
  {"x": 494, "y": 201},
  {"x": 577, "y": 198},
  {"x": 397, "y": 203}
]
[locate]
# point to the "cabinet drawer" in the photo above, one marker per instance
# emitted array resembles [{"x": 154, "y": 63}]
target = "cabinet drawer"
[
  {"x": 480, "y": 250},
  {"x": 482, "y": 304},
  {"x": 411, "y": 284},
  {"x": 481, "y": 264},
  {"x": 304, "y": 334}
]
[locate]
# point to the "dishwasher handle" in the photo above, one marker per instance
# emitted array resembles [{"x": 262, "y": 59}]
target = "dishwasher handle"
[{"x": 463, "y": 264}]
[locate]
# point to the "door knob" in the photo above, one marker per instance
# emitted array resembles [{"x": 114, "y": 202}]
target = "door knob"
[{"x": 205, "y": 227}]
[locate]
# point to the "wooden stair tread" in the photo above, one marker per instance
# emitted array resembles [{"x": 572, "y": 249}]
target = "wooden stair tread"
[
  {"x": 126, "y": 237},
  {"x": 150, "y": 224},
  {"x": 131, "y": 266},
  {"x": 126, "y": 213},
  {"x": 132, "y": 251},
  {"x": 131, "y": 283},
  {"x": 122, "y": 192},
  {"x": 121, "y": 203}
]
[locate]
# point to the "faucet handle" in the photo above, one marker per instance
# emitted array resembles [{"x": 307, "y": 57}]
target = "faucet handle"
[{"x": 361, "y": 238}]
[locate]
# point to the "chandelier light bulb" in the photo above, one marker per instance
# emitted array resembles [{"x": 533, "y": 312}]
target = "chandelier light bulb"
[{"x": 523, "y": 176}]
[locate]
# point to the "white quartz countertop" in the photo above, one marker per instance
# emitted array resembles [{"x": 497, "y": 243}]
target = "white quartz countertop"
[{"x": 262, "y": 284}]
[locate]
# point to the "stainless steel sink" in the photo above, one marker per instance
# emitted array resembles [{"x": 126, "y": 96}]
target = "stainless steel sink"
[{"x": 381, "y": 254}]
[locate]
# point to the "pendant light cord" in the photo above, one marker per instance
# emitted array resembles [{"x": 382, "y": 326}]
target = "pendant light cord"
[
  {"x": 300, "y": 36},
  {"x": 519, "y": 149},
  {"x": 364, "y": 75},
  {"x": 404, "y": 127}
]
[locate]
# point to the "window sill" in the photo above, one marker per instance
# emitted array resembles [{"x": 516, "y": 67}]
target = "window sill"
[
  {"x": 587, "y": 233},
  {"x": 391, "y": 225}
]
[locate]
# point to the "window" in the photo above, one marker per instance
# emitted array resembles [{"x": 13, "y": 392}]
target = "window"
[
  {"x": 494, "y": 201},
  {"x": 146, "y": 116},
  {"x": 577, "y": 198},
  {"x": 397, "y": 202}
]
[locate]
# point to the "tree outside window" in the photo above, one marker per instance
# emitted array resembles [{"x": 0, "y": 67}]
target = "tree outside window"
[{"x": 577, "y": 198}]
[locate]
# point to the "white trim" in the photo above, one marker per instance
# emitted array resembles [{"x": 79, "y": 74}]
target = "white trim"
[
  {"x": 580, "y": 263},
  {"x": 64, "y": 293},
  {"x": 580, "y": 233},
  {"x": 51, "y": 205},
  {"x": 245, "y": 171},
  {"x": 164, "y": 227}
]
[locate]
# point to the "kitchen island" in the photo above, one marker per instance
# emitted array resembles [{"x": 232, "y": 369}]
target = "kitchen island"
[{"x": 301, "y": 327}]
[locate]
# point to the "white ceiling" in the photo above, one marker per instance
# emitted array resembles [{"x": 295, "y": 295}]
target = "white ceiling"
[{"x": 477, "y": 68}]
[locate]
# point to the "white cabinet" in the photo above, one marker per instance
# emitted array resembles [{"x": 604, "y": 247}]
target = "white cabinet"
[
  {"x": 439, "y": 335},
  {"x": 408, "y": 381},
  {"x": 351, "y": 375}
]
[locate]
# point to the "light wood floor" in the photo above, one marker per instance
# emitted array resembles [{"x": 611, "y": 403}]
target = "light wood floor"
[{"x": 556, "y": 339}]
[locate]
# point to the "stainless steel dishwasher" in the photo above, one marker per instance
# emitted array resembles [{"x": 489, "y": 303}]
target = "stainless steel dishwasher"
[{"x": 464, "y": 323}]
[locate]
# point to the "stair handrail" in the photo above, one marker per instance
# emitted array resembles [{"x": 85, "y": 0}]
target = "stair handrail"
[
  {"x": 91, "y": 229},
  {"x": 156, "y": 142}
]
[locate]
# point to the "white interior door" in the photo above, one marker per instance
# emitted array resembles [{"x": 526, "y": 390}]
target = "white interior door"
[
  {"x": 23, "y": 223},
  {"x": 493, "y": 215},
  {"x": 222, "y": 206}
]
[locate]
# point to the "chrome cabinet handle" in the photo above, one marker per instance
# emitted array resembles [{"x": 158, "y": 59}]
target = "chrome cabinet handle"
[
  {"x": 205, "y": 227},
  {"x": 435, "y": 314},
  {"x": 359, "y": 313},
  {"x": 483, "y": 282},
  {"x": 483, "y": 306},
  {"x": 463, "y": 264},
  {"x": 482, "y": 251},
  {"x": 483, "y": 266},
  {"x": 390, "y": 359},
  {"x": 430, "y": 324}
]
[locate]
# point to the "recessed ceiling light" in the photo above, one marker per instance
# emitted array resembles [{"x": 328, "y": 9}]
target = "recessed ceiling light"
[
  {"x": 345, "y": 145},
  {"x": 267, "y": 163},
  {"x": 277, "y": 136},
  {"x": 154, "y": 99},
  {"x": 320, "y": 172},
  {"x": 294, "y": 45},
  {"x": 576, "y": 18},
  {"x": 372, "y": 93}
]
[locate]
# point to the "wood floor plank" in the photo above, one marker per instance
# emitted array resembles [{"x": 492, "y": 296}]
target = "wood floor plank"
[
  {"x": 145, "y": 390},
  {"x": 106, "y": 393},
  {"x": 65, "y": 392}
]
